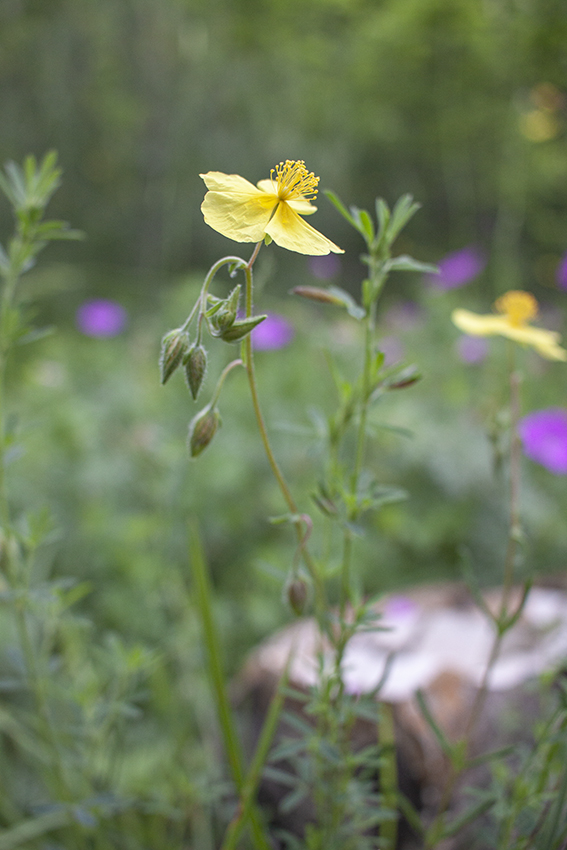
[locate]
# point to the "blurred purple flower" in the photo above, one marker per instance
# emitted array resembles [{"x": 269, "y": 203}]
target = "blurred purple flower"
[
  {"x": 325, "y": 267},
  {"x": 399, "y": 607},
  {"x": 392, "y": 349},
  {"x": 274, "y": 332},
  {"x": 472, "y": 349},
  {"x": 561, "y": 273},
  {"x": 101, "y": 317},
  {"x": 458, "y": 268},
  {"x": 404, "y": 316},
  {"x": 544, "y": 438}
]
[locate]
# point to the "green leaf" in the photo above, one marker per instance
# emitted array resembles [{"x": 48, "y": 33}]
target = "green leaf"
[
  {"x": 404, "y": 209},
  {"x": 13, "y": 185},
  {"x": 411, "y": 814},
  {"x": 344, "y": 299},
  {"x": 53, "y": 229},
  {"x": 467, "y": 817},
  {"x": 442, "y": 740},
  {"x": 408, "y": 264},
  {"x": 382, "y": 216},
  {"x": 335, "y": 200},
  {"x": 34, "y": 335},
  {"x": 28, "y": 830},
  {"x": 240, "y": 328}
]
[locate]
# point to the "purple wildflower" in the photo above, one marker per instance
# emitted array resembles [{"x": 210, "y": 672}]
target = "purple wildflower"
[
  {"x": 472, "y": 349},
  {"x": 561, "y": 273},
  {"x": 101, "y": 317},
  {"x": 274, "y": 332},
  {"x": 544, "y": 438},
  {"x": 458, "y": 268}
]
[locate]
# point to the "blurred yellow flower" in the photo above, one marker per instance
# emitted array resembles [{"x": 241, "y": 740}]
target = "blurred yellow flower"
[
  {"x": 239, "y": 210},
  {"x": 516, "y": 309}
]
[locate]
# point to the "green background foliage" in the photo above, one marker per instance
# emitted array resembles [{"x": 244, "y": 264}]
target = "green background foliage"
[{"x": 438, "y": 98}]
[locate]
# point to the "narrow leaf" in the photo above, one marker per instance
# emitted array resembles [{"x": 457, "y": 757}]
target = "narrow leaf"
[{"x": 335, "y": 200}]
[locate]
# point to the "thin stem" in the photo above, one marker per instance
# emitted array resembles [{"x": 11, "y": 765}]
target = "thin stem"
[
  {"x": 225, "y": 261},
  {"x": 286, "y": 492},
  {"x": 369, "y": 329},
  {"x": 232, "y": 365}
]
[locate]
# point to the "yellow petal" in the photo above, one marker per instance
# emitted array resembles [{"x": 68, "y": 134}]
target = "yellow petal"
[
  {"x": 230, "y": 183},
  {"x": 290, "y": 231},
  {"x": 268, "y": 186},
  {"x": 545, "y": 342},
  {"x": 302, "y": 207},
  {"x": 479, "y": 325},
  {"x": 236, "y": 208}
]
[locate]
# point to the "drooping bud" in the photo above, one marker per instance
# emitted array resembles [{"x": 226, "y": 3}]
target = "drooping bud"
[
  {"x": 202, "y": 429},
  {"x": 316, "y": 293},
  {"x": 241, "y": 328},
  {"x": 333, "y": 295},
  {"x": 195, "y": 363},
  {"x": 174, "y": 346},
  {"x": 297, "y": 595},
  {"x": 224, "y": 317}
]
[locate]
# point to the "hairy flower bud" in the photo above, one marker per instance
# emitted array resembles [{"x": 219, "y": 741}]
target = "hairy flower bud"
[
  {"x": 241, "y": 328},
  {"x": 224, "y": 317},
  {"x": 174, "y": 346},
  {"x": 297, "y": 594},
  {"x": 202, "y": 429},
  {"x": 195, "y": 363}
]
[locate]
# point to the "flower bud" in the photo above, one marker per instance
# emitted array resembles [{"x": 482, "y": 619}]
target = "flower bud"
[
  {"x": 226, "y": 314},
  {"x": 297, "y": 594},
  {"x": 174, "y": 346},
  {"x": 315, "y": 293},
  {"x": 202, "y": 429},
  {"x": 241, "y": 328},
  {"x": 195, "y": 363}
]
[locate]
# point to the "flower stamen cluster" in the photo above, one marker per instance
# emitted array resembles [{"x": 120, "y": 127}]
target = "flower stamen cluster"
[
  {"x": 518, "y": 306},
  {"x": 293, "y": 181}
]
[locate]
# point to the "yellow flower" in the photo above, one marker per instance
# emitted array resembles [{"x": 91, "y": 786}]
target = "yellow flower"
[
  {"x": 239, "y": 210},
  {"x": 516, "y": 309}
]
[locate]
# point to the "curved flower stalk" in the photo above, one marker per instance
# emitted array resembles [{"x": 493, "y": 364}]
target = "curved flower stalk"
[
  {"x": 273, "y": 209},
  {"x": 516, "y": 308}
]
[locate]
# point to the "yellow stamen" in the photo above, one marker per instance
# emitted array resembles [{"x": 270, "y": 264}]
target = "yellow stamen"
[
  {"x": 518, "y": 307},
  {"x": 293, "y": 181}
]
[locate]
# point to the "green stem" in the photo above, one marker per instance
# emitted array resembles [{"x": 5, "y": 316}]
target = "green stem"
[
  {"x": 232, "y": 365},
  {"x": 369, "y": 330},
  {"x": 225, "y": 261},
  {"x": 320, "y": 595}
]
